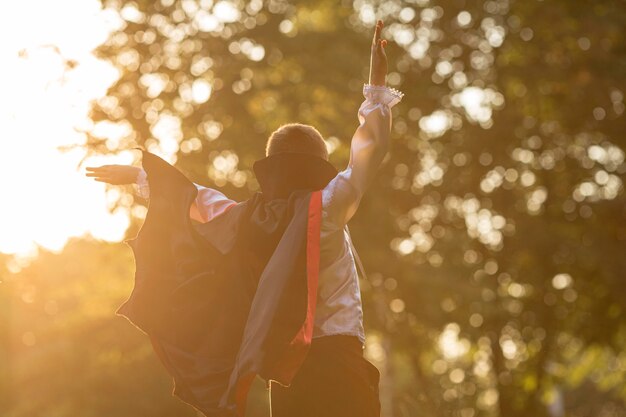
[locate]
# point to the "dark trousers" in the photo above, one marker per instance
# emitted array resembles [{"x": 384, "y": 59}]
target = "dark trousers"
[{"x": 334, "y": 380}]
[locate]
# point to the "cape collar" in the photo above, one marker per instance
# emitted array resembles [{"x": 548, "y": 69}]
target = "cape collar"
[{"x": 282, "y": 173}]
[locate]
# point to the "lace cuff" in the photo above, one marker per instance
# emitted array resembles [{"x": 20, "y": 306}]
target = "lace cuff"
[
  {"x": 381, "y": 94},
  {"x": 143, "y": 189}
]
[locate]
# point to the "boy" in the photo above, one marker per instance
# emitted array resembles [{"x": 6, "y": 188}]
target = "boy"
[{"x": 332, "y": 378}]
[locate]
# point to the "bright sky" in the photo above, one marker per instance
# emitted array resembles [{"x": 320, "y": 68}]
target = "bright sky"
[{"x": 46, "y": 196}]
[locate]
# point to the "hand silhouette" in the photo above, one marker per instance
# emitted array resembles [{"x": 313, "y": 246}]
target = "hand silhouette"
[
  {"x": 378, "y": 59},
  {"x": 114, "y": 174}
]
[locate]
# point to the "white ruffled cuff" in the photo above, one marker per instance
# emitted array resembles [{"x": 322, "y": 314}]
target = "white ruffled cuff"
[
  {"x": 380, "y": 94},
  {"x": 143, "y": 188}
]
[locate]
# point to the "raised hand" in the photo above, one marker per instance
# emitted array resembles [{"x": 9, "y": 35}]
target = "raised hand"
[
  {"x": 378, "y": 59},
  {"x": 114, "y": 174}
]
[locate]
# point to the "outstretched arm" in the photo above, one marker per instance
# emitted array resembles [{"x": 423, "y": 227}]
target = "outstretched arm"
[
  {"x": 370, "y": 141},
  {"x": 208, "y": 203}
]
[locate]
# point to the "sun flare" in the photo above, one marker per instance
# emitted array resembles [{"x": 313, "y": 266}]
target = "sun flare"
[{"x": 50, "y": 77}]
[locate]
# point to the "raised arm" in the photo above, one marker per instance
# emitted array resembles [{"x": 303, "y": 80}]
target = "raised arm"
[
  {"x": 208, "y": 203},
  {"x": 370, "y": 141}
]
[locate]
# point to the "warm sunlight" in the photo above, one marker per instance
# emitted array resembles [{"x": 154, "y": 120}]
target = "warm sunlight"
[
  {"x": 457, "y": 251},
  {"x": 53, "y": 77},
  {"x": 41, "y": 108}
]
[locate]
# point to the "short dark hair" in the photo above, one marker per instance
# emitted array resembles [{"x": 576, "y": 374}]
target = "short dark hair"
[{"x": 297, "y": 137}]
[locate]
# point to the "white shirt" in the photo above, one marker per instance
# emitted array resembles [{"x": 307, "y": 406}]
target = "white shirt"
[{"x": 338, "y": 309}]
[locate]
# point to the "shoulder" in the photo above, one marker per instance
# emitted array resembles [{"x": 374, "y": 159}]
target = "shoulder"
[
  {"x": 340, "y": 187},
  {"x": 340, "y": 199}
]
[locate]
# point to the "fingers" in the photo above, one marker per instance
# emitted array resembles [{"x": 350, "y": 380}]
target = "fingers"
[
  {"x": 102, "y": 174},
  {"x": 380, "y": 47},
  {"x": 96, "y": 172},
  {"x": 104, "y": 169},
  {"x": 99, "y": 170},
  {"x": 113, "y": 174},
  {"x": 378, "y": 44},
  {"x": 107, "y": 180},
  {"x": 379, "y": 27}
]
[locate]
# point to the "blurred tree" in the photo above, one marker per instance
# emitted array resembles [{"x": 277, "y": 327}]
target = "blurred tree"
[
  {"x": 5, "y": 322},
  {"x": 69, "y": 354},
  {"x": 521, "y": 212},
  {"x": 494, "y": 234}
]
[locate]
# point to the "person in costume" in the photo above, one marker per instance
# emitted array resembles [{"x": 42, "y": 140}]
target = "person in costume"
[{"x": 229, "y": 290}]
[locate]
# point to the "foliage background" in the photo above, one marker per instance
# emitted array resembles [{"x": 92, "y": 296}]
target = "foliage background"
[{"x": 494, "y": 235}]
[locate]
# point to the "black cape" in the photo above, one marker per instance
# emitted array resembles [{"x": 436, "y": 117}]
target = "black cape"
[{"x": 232, "y": 298}]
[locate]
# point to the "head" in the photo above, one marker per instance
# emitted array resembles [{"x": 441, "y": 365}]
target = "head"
[{"x": 296, "y": 137}]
